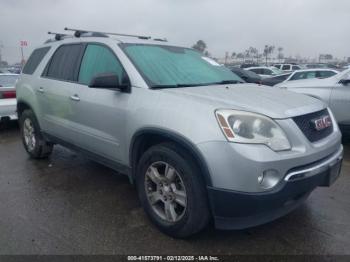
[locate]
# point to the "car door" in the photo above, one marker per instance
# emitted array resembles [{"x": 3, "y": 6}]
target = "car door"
[
  {"x": 340, "y": 102},
  {"x": 100, "y": 114},
  {"x": 56, "y": 91}
]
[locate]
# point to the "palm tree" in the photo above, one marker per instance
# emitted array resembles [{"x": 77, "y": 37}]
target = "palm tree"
[
  {"x": 280, "y": 54},
  {"x": 268, "y": 50}
]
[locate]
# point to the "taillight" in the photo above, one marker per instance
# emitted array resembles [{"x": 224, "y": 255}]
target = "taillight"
[{"x": 8, "y": 94}]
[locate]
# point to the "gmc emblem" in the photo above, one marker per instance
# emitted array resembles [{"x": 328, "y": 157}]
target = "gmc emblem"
[{"x": 321, "y": 123}]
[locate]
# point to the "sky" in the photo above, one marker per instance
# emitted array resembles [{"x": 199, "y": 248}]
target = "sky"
[{"x": 304, "y": 28}]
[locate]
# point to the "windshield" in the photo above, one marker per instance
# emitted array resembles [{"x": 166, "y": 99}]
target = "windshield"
[
  {"x": 169, "y": 66},
  {"x": 8, "y": 80}
]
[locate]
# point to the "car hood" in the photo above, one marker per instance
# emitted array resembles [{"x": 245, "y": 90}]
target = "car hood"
[{"x": 268, "y": 101}]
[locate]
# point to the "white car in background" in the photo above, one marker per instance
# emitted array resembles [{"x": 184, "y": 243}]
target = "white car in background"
[
  {"x": 311, "y": 73},
  {"x": 8, "y": 101},
  {"x": 299, "y": 75},
  {"x": 288, "y": 67},
  {"x": 265, "y": 71},
  {"x": 334, "y": 91}
]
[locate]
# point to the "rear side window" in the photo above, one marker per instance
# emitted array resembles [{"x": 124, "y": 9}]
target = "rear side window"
[
  {"x": 296, "y": 68},
  {"x": 34, "y": 60},
  {"x": 98, "y": 60},
  {"x": 256, "y": 71},
  {"x": 64, "y": 64},
  {"x": 286, "y": 67},
  {"x": 325, "y": 74},
  {"x": 267, "y": 72}
]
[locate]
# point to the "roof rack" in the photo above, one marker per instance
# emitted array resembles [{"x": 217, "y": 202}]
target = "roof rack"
[
  {"x": 58, "y": 37},
  {"x": 80, "y": 33}
]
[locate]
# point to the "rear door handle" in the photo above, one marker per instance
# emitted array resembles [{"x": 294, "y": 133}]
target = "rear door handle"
[
  {"x": 75, "y": 98},
  {"x": 41, "y": 90}
]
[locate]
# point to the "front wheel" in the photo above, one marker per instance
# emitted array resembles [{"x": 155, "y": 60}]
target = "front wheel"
[
  {"x": 172, "y": 191},
  {"x": 34, "y": 143}
]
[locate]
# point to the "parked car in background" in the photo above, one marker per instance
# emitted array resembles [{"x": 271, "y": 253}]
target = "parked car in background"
[
  {"x": 271, "y": 81},
  {"x": 243, "y": 66},
  {"x": 287, "y": 67},
  {"x": 265, "y": 71},
  {"x": 246, "y": 75},
  {"x": 320, "y": 65},
  {"x": 299, "y": 75},
  {"x": 311, "y": 73},
  {"x": 8, "y": 96},
  {"x": 334, "y": 91}
]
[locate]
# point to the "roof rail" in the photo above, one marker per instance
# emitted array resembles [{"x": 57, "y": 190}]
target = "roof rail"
[
  {"x": 80, "y": 32},
  {"x": 58, "y": 37}
]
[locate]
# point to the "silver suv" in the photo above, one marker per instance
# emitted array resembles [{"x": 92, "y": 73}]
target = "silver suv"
[{"x": 198, "y": 143}]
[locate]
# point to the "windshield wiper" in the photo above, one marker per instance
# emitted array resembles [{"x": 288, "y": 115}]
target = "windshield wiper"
[
  {"x": 175, "y": 86},
  {"x": 228, "y": 82},
  {"x": 224, "y": 82}
]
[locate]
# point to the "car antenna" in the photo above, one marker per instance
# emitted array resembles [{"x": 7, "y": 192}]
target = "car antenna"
[{"x": 79, "y": 32}]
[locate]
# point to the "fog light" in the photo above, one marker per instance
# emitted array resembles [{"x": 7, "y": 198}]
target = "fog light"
[{"x": 269, "y": 178}]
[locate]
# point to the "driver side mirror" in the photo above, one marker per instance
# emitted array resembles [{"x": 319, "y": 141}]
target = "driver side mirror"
[
  {"x": 344, "y": 82},
  {"x": 110, "y": 81}
]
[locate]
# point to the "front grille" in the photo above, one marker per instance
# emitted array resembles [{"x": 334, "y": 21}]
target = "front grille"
[{"x": 305, "y": 125}]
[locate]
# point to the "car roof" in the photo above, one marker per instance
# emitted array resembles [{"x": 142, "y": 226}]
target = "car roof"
[{"x": 316, "y": 69}]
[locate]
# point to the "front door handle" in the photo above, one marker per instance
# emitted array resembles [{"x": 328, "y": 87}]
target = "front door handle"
[
  {"x": 41, "y": 90},
  {"x": 75, "y": 97}
]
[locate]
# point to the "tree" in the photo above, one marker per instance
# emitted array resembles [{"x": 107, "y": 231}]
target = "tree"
[
  {"x": 268, "y": 50},
  {"x": 328, "y": 57},
  {"x": 201, "y": 46},
  {"x": 240, "y": 56},
  {"x": 280, "y": 55},
  {"x": 254, "y": 52},
  {"x": 233, "y": 55}
]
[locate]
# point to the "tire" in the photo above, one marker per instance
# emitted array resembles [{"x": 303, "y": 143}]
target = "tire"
[
  {"x": 192, "y": 211},
  {"x": 34, "y": 143}
]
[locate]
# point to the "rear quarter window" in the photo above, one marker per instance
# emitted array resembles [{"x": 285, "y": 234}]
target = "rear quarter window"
[
  {"x": 64, "y": 64},
  {"x": 34, "y": 60}
]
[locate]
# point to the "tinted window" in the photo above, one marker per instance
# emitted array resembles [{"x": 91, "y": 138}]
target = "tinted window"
[
  {"x": 325, "y": 74},
  {"x": 64, "y": 64},
  {"x": 296, "y": 68},
  {"x": 304, "y": 75},
  {"x": 277, "y": 66},
  {"x": 34, "y": 60},
  {"x": 256, "y": 71},
  {"x": 286, "y": 67},
  {"x": 99, "y": 60},
  {"x": 267, "y": 72}
]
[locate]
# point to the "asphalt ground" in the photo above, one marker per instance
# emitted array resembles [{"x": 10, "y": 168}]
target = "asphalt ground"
[{"x": 71, "y": 205}]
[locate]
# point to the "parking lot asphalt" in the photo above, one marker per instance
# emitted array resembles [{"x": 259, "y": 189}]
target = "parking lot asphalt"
[{"x": 70, "y": 205}]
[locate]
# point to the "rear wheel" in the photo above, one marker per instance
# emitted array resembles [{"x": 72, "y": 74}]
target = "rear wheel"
[
  {"x": 32, "y": 138},
  {"x": 171, "y": 191}
]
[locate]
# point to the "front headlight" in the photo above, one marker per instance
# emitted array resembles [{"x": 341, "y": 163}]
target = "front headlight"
[{"x": 250, "y": 128}]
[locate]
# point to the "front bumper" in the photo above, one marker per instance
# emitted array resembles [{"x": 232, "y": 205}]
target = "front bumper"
[
  {"x": 238, "y": 210},
  {"x": 8, "y": 109}
]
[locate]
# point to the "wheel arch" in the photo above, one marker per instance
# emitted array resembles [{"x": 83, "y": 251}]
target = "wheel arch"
[
  {"x": 21, "y": 106},
  {"x": 147, "y": 137}
]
